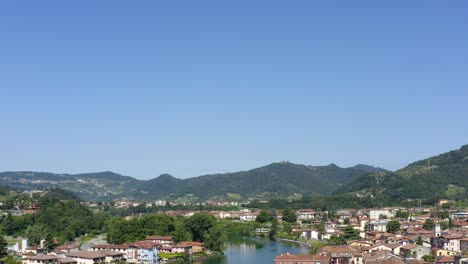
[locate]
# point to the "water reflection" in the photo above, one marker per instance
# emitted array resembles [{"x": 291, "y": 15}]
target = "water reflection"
[{"x": 248, "y": 250}]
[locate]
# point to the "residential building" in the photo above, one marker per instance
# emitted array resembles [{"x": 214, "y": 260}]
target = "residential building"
[
  {"x": 196, "y": 246},
  {"x": 34, "y": 249},
  {"x": 464, "y": 245},
  {"x": 310, "y": 234},
  {"x": 161, "y": 239},
  {"x": 440, "y": 252},
  {"x": 415, "y": 251},
  {"x": 40, "y": 259},
  {"x": 67, "y": 261},
  {"x": 181, "y": 248},
  {"x": 130, "y": 253},
  {"x": 305, "y": 214},
  {"x": 376, "y": 213},
  {"x": 249, "y": 217},
  {"x": 96, "y": 256},
  {"x": 449, "y": 242},
  {"x": 377, "y": 225},
  {"x": 342, "y": 254},
  {"x": 147, "y": 252},
  {"x": 446, "y": 260}
]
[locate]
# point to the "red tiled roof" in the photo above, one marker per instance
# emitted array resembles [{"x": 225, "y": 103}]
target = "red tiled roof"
[
  {"x": 93, "y": 254},
  {"x": 43, "y": 257},
  {"x": 446, "y": 259},
  {"x": 386, "y": 261},
  {"x": 146, "y": 244},
  {"x": 67, "y": 260},
  {"x": 333, "y": 250}
]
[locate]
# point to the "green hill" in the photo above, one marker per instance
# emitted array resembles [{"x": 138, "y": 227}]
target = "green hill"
[
  {"x": 442, "y": 176},
  {"x": 282, "y": 178}
]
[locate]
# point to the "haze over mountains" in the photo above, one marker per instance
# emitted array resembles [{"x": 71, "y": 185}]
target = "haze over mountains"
[{"x": 442, "y": 176}]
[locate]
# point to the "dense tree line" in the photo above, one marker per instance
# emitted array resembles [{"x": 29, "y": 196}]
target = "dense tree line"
[
  {"x": 63, "y": 220},
  {"x": 199, "y": 227}
]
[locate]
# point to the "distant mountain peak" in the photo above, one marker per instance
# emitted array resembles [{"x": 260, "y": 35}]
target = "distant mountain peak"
[
  {"x": 368, "y": 168},
  {"x": 166, "y": 176}
]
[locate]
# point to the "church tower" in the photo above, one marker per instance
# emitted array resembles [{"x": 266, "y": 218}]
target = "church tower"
[{"x": 437, "y": 230}]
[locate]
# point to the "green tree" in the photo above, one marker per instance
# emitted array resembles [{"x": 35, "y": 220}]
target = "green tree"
[
  {"x": 289, "y": 215},
  {"x": 215, "y": 238},
  {"x": 315, "y": 245},
  {"x": 36, "y": 233},
  {"x": 11, "y": 260},
  {"x": 428, "y": 258},
  {"x": 273, "y": 229},
  {"x": 428, "y": 224},
  {"x": 181, "y": 232},
  {"x": 263, "y": 216},
  {"x": 450, "y": 223},
  {"x": 9, "y": 225},
  {"x": 320, "y": 227},
  {"x": 117, "y": 231},
  {"x": 402, "y": 214},
  {"x": 198, "y": 224},
  {"x": 157, "y": 224},
  {"x": 393, "y": 226},
  {"x": 420, "y": 241},
  {"x": 336, "y": 240},
  {"x": 3, "y": 245},
  {"x": 350, "y": 233},
  {"x": 444, "y": 225},
  {"x": 49, "y": 243},
  {"x": 287, "y": 227}
]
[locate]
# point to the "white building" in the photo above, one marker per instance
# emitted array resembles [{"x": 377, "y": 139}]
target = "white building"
[
  {"x": 40, "y": 259},
  {"x": 377, "y": 225},
  {"x": 248, "y": 217},
  {"x": 306, "y": 214},
  {"x": 376, "y": 213},
  {"x": 160, "y": 202}
]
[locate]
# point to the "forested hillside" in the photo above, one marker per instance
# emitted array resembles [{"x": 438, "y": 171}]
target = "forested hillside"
[{"x": 442, "y": 176}]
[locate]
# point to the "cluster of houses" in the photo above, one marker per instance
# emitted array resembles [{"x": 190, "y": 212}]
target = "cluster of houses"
[
  {"x": 411, "y": 244},
  {"x": 158, "y": 203},
  {"x": 141, "y": 252}
]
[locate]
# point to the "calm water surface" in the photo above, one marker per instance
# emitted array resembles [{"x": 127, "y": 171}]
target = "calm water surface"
[{"x": 243, "y": 250}]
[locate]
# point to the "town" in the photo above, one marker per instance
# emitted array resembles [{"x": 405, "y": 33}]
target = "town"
[{"x": 436, "y": 234}]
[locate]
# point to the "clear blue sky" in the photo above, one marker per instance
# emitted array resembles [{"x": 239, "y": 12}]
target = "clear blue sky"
[{"x": 197, "y": 87}]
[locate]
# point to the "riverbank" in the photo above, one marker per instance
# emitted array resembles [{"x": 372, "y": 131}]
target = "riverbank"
[{"x": 294, "y": 241}]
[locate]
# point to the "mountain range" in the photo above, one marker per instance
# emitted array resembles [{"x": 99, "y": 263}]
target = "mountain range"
[
  {"x": 442, "y": 176},
  {"x": 277, "y": 180}
]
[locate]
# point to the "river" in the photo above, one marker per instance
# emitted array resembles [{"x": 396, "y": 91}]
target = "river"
[{"x": 247, "y": 250}]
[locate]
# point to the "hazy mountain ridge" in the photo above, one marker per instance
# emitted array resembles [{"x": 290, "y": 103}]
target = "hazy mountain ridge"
[{"x": 282, "y": 178}]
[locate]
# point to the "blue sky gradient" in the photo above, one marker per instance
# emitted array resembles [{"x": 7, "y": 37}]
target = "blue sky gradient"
[{"x": 204, "y": 87}]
